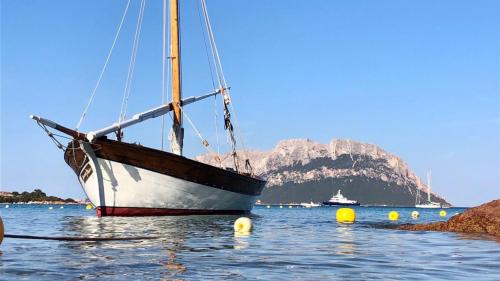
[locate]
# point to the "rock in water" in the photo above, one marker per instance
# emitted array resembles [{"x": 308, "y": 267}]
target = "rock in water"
[{"x": 481, "y": 219}]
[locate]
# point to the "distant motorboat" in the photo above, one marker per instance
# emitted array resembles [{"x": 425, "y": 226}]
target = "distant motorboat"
[
  {"x": 310, "y": 205},
  {"x": 339, "y": 200},
  {"x": 429, "y": 204}
]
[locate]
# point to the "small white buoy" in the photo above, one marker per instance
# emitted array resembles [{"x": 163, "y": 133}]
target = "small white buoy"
[
  {"x": 415, "y": 215},
  {"x": 243, "y": 225},
  {"x": 62, "y": 207},
  {"x": 6, "y": 206},
  {"x": 50, "y": 208},
  {"x": 281, "y": 206},
  {"x": 289, "y": 207},
  {"x": 268, "y": 206}
]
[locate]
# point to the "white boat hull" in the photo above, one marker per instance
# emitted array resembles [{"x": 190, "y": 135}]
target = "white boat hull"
[
  {"x": 165, "y": 184},
  {"x": 123, "y": 185},
  {"x": 428, "y": 206}
]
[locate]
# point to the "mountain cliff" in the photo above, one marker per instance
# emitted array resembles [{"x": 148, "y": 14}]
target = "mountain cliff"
[{"x": 301, "y": 170}]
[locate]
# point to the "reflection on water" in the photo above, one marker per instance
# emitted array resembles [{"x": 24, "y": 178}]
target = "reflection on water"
[
  {"x": 285, "y": 244},
  {"x": 346, "y": 238},
  {"x": 241, "y": 241}
]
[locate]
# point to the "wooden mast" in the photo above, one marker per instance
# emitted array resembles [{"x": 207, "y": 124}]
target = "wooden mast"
[{"x": 175, "y": 56}]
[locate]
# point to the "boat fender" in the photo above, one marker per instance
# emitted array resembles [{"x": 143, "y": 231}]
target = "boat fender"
[
  {"x": 415, "y": 215},
  {"x": 2, "y": 232},
  {"x": 345, "y": 215},
  {"x": 243, "y": 225},
  {"x": 442, "y": 213},
  {"x": 393, "y": 216}
]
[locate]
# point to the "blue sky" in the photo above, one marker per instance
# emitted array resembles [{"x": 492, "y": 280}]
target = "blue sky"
[{"x": 421, "y": 79}]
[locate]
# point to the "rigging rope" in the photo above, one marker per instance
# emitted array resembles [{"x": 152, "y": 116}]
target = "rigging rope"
[
  {"x": 131, "y": 66},
  {"x": 79, "y": 238},
  {"x": 163, "y": 61},
  {"x": 223, "y": 84},
  {"x": 210, "y": 68},
  {"x": 203, "y": 140},
  {"x": 84, "y": 113}
]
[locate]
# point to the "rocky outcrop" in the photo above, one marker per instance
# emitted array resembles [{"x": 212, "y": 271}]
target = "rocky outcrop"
[
  {"x": 300, "y": 170},
  {"x": 481, "y": 219}
]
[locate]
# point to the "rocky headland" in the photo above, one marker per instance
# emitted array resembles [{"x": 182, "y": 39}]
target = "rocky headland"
[
  {"x": 481, "y": 219},
  {"x": 302, "y": 170}
]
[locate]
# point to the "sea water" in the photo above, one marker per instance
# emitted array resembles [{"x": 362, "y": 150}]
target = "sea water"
[{"x": 286, "y": 244}]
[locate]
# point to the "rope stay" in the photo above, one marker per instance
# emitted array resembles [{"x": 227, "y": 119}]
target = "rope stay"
[
  {"x": 131, "y": 66},
  {"x": 51, "y": 136},
  {"x": 92, "y": 95},
  {"x": 166, "y": 71},
  {"x": 203, "y": 140},
  {"x": 227, "y": 103},
  {"x": 163, "y": 63},
  {"x": 210, "y": 68}
]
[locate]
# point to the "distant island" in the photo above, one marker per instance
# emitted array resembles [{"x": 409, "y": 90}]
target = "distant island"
[
  {"x": 302, "y": 170},
  {"x": 37, "y": 196}
]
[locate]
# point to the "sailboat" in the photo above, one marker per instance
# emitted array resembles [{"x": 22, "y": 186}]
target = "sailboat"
[
  {"x": 429, "y": 204},
  {"x": 128, "y": 179}
]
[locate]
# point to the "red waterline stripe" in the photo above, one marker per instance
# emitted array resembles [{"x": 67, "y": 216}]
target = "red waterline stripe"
[{"x": 141, "y": 212}]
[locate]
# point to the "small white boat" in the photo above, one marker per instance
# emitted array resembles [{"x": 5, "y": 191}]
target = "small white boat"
[{"x": 310, "y": 205}]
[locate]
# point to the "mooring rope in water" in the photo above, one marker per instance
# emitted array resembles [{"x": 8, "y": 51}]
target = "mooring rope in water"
[{"x": 73, "y": 238}]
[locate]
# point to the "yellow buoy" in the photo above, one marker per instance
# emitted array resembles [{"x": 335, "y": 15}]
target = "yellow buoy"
[
  {"x": 89, "y": 207},
  {"x": 243, "y": 225},
  {"x": 442, "y": 213},
  {"x": 415, "y": 214},
  {"x": 1, "y": 230},
  {"x": 345, "y": 215},
  {"x": 393, "y": 215}
]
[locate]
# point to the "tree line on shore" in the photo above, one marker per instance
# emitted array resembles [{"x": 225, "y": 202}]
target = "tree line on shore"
[{"x": 36, "y": 196}]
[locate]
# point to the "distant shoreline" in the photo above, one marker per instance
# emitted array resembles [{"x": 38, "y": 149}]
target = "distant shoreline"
[{"x": 43, "y": 203}]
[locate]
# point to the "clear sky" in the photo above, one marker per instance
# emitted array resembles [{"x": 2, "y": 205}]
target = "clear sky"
[{"x": 421, "y": 79}]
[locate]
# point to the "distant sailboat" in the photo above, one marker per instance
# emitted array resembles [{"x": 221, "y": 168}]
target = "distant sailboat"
[{"x": 429, "y": 204}]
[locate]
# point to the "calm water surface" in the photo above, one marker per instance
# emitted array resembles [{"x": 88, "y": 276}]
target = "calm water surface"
[{"x": 287, "y": 244}]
